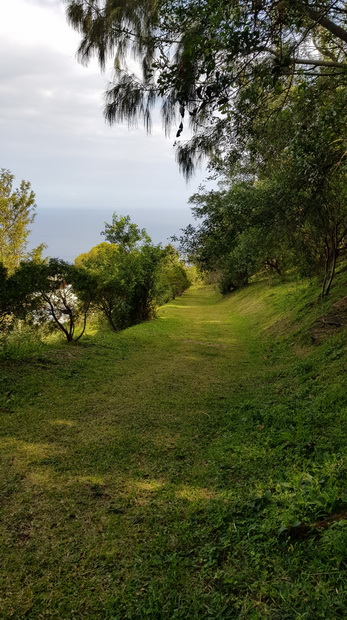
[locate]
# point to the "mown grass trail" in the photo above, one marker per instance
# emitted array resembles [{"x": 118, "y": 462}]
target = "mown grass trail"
[{"x": 147, "y": 473}]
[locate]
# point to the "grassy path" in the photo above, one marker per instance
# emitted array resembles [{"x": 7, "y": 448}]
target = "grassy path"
[{"x": 139, "y": 478}]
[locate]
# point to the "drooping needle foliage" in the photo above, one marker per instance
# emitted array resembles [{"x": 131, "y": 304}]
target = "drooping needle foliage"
[{"x": 211, "y": 61}]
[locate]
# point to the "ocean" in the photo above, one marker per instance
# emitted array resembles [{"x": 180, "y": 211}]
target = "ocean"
[{"x": 69, "y": 232}]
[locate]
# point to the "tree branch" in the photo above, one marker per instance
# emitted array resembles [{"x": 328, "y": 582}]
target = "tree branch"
[
  {"x": 324, "y": 21},
  {"x": 316, "y": 62}
]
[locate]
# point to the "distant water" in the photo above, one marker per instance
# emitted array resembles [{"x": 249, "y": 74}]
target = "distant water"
[{"x": 69, "y": 232}]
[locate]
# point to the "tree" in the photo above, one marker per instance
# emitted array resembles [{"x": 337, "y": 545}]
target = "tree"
[
  {"x": 109, "y": 266},
  {"x": 102, "y": 259},
  {"x": 173, "y": 277},
  {"x": 17, "y": 208},
  {"x": 309, "y": 169},
  {"x": 124, "y": 233},
  {"x": 283, "y": 203},
  {"x": 52, "y": 292},
  {"x": 125, "y": 281},
  {"x": 214, "y": 62}
]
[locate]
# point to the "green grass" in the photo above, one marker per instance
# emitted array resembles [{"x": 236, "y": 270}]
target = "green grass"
[{"x": 156, "y": 473}]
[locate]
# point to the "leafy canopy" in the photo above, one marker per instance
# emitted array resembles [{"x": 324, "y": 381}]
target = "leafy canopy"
[
  {"x": 52, "y": 292},
  {"x": 126, "y": 272},
  {"x": 124, "y": 233},
  {"x": 214, "y": 62},
  {"x": 283, "y": 203},
  {"x": 17, "y": 212}
]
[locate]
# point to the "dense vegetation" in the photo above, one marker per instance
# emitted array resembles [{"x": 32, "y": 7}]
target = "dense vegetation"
[
  {"x": 119, "y": 278},
  {"x": 282, "y": 203}
]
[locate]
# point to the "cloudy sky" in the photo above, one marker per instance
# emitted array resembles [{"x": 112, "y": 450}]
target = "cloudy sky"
[{"x": 52, "y": 133}]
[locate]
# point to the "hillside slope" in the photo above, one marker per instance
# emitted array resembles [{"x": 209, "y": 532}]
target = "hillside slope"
[{"x": 189, "y": 467}]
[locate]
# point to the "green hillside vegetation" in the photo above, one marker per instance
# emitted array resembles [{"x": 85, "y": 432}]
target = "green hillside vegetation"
[
  {"x": 123, "y": 280},
  {"x": 188, "y": 460},
  {"x": 193, "y": 466}
]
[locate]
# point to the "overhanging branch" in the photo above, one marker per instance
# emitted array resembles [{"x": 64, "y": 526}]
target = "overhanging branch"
[
  {"x": 324, "y": 21},
  {"x": 316, "y": 62}
]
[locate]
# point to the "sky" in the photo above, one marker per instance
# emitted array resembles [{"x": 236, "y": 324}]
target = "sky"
[{"x": 53, "y": 134}]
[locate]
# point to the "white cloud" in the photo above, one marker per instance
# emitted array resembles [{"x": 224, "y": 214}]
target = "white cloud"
[
  {"x": 52, "y": 130},
  {"x": 31, "y": 24}
]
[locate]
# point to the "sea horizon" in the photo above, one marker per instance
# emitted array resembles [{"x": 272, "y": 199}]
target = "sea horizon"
[{"x": 68, "y": 232}]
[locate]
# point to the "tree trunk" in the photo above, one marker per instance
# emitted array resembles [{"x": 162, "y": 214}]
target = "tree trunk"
[
  {"x": 330, "y": 265},
  {"x": 273, "y": 265},
  {"x": 84, "y": 325},
  {"x": 322, "y": 20},
  {"x": 332, "y": 273},
  {"x": 326, "y": 268}
]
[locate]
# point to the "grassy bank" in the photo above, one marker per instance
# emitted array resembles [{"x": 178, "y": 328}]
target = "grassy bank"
[{"x": 189, "y": 467}]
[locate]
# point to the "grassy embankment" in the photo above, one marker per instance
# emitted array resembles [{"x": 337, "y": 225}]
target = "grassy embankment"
[{"x": 163, "y": 472}]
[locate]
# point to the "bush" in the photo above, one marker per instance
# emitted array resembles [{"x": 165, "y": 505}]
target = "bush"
[
  {"x": 23, "y": 343},
  {"x": 129, "y": 284}
]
